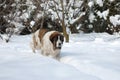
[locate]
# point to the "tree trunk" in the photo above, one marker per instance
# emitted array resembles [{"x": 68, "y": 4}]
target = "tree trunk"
[
  {"x": 63, "y": 23},
  {"x": 73, "y": 29},
  {"x": 65, "y": 33}
]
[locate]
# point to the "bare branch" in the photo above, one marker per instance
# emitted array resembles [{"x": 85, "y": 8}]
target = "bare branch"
[
  {"x": 57, "y": 12},
  {"x": 3, "y": 3}
]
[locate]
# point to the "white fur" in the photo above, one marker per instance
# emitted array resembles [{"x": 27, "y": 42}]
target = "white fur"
[
  {"x": 35, "y": 47},
  {"x": 47, "y": 47},
  {"x": 37, "y": 39},
  {"x": 59, "y": 42}
]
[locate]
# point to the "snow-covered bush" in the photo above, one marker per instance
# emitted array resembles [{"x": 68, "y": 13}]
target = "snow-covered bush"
[
  {"x": 104, "y": 15},
  {"x": 71, "y": 15}
]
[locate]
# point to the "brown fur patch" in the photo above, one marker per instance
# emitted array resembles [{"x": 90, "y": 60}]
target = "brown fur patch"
[
  {"x": 54, "y": 35},
  {"x": 42, "y": 33}
]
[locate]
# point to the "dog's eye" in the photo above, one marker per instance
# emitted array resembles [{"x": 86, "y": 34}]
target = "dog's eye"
[{"x": 62, "y": 38}]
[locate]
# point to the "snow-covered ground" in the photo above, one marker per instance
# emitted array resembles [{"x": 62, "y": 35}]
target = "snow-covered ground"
[{"x": 87, "y": 57}]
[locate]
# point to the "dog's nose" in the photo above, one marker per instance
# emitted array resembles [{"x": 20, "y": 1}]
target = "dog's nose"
[
  {"x": 59, "y": 44},
  {"x": 7, "y": 40}
]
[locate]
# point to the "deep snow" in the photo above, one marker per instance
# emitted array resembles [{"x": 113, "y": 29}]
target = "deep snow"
[{"x": 87, "y": 57}]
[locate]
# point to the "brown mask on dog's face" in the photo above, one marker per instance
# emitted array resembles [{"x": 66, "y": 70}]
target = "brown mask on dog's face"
[{"x": 57, "y": 41}]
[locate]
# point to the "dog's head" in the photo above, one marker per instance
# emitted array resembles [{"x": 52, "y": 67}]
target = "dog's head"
[{"x": 57, "y": 40}]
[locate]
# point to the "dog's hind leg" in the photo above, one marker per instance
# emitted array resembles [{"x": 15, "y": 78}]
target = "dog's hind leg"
[
  {"x": 32, "y": 46},
  {"x": 33, "y": 43}
]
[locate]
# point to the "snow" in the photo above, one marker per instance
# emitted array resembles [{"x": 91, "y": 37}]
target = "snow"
[
  {"x": 99, "y": 2},
  {"x": 25, "y": 16},
  {"x": 86, "y": 57},
  {"x": 115, "y": 20},
  {"x": 32, "y": 23},
  {"x": 90, "y": 4},
  {"x": 77, "y": 3},
  {"x": 103, "y": 14},
  {"x": 91, "y": 17},
  {"x": 111, "y": 0}
]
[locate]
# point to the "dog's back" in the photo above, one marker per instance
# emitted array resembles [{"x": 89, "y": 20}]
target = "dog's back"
[
  {"x": 42, "y": 33},
  {"x": 37, "y": 38}
]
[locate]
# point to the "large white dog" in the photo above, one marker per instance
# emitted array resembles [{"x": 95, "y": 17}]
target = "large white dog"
[{"x": 49, "y": 42}]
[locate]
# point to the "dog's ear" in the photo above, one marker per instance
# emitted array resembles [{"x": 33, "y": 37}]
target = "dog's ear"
[{"x": 53, "y": 38}]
